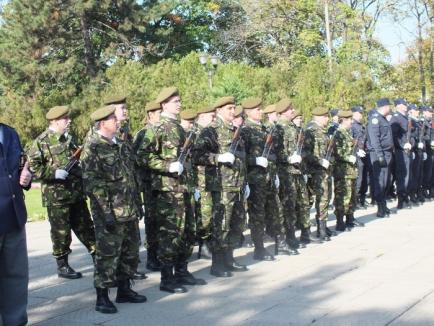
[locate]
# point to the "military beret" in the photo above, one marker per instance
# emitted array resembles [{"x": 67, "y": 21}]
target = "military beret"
[
  {"x": 345, "y": 114},
  {"x": 222, "y": 101},
  {"x": 334, "y": 112},
  {"x": 166, "y": 93},
  {"x": 297, "y": 113},
  {"x": 251, "y": 103},
  {"x": 412, "y": 106},
  {"x": 399, "y": 101},
  {"x": 57, "y": 112},
  {"x": 102, "y": 113},
  {"x": 206, "y": 109},
  {"x": 270, "y": 108},
  {"x": 427, "y": 108},
  {"x": 188, "y": 114},
  {"x": 238, "y": 111},
  {"x": 383, "y": 102},
  {"x": 152, "y": 106},
  {"x": 115, "y": 99},
  {"x": 283, "y": 105},
  {"x": 320, "y": 111},
  {"x": 357, "y": 108}
]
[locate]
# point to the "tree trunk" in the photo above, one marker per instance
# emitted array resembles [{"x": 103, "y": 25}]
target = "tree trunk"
[{"x": 89, "y": 58}]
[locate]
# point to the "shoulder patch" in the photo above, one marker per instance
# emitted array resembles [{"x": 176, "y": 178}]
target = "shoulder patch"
[{"x": 374, "y": 121}]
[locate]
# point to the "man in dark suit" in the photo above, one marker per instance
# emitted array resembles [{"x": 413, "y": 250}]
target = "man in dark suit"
[{"x": 14, "y": 271}]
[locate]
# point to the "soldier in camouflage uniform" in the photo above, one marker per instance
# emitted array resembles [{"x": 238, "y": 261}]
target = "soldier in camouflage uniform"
[
  {"x": 144, "y": 138},
  {"x": 170, "y": 191},
  {"x": 261, "y": 177},
  {"x": 318, "y": 167},
  {"x": 222, "y": 159},
  {"x": 62, "y": 191},
  {"x": 109, "y": 184},
  {"x": 345, "y": 173},
  {"x": 126, "y": 144}
]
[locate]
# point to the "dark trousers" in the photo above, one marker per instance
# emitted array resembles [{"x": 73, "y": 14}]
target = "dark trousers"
[
  {"x": 427, "y": 169},
  {"x": 14, "y": 278},
  {"x": 402, "y": 172},
  {"x": 380, "y": 176},
  {"x": 362, "y": 176}
]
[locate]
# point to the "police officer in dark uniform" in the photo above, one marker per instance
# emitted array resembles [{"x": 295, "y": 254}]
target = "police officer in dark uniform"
[
  {"x": 417, "y": 155},
  {"x": 380, "y": 147},
  {"x": 429, "y": 142},
  {"x": 358, "y": 131},
  {"x": 401, "y": 136}
]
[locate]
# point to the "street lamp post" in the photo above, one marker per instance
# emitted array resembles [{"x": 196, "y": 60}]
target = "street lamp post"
[{"x": 210, "y": 69}]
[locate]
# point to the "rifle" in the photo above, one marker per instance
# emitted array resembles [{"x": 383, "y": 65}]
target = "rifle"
[
  {"x": 73, "y": 160},
  {"x": 355, "y": 146},
  {"x": 300, "y": 142},
  {"x": 330, "y": 147},
  {"x": 268, "y": 143},
  {"x": 236, "y": 139},
  {"x": 124, "y": 130},
  {"x": 186, "y": 148}
]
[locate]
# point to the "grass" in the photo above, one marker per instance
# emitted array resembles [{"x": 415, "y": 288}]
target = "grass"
[{"x": 35, "y": 211}]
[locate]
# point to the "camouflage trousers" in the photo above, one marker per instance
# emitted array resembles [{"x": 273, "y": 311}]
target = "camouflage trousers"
[
  {"x": 318, "y": 187},
  {"x": 227, "y": 220},
  {"x": 63, "y": 219},
  {"x": 345, "y": 196},
  {"x": 117, "y": 252},
  {"x": 287, "y": 199},
  {"x": 263, "y": 207},
  {"x": 203, "y": 215},
  {"x": 175, "y": 225},
  {"x": 151, "y": 243},
  {"x": 302, "y": 205}
]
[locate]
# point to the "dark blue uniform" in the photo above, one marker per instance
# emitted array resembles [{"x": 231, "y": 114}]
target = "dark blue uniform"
[
  {"x": 417, "y": 160},
  {"x": 359, "y": 133},
  {"x": 380, "y": 147},
  {"x": 428, "y": 163}
]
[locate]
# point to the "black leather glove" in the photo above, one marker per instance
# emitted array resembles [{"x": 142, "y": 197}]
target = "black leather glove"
[{"x": 382, "y": 161}]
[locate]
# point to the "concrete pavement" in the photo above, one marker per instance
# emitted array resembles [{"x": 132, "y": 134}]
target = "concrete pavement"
[{"x": 382, "y": 274}]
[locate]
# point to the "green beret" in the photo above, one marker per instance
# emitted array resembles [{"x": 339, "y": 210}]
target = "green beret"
[
  {"x": 115, "y": 99},
  {"x": 270, "y": 108},
  {"x": 251, "y": 103},
  {"x": 206, "y": 109},
  {"x": 188, "y": 114},
  {"x": 57, "y": 112},
  {"x": 345, "y": 114},
  {"x": 222, "y": 101},
  {"x": 238, "y": 111},
  {"x": 102, "y": 113},
  {"x": 283, "y": 105},
  {"x": 152, "y": 106},
  {"x": 166, "y": 93},
  {"x": 297, "y": 113},
  {"x": 320, "y": 111}
]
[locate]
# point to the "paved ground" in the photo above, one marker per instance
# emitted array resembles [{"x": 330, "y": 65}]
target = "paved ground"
[{"x": 382, "y": 274}]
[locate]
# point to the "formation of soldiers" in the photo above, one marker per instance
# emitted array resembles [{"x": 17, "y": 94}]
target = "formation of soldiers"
[{"x": 206, "y": 176}]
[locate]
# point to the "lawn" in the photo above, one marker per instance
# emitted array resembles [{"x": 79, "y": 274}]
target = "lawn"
[{"x": 35, "y": 210}]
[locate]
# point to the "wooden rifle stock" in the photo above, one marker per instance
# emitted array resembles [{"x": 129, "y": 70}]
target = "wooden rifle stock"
[{"x": 74, "y": 159}]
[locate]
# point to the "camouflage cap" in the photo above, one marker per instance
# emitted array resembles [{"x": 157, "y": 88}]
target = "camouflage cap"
[
  {"x": 57, "y": 112},
  {"x": 283, "y": 105},
  {"x": 297, "y": 113},
  {"x": 345, "y": 114},
  {"x": 166, "y": 93},
  {"x": 222, "y": 101},
  {"x": 251, "y": 103},
  {"x": 102, "y": 113},
  {"x": 188, "y": 114},
  {"x": 320, "y": 111},
  {"x": 206, "y": 109},
  {"x": 238, "y": 111},
  {"x": 270, "y": 108},
  {"x": 115, "y": 99},
  {"x": 152, "y": 106}
]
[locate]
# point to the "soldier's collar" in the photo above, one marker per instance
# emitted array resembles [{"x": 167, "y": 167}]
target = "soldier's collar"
[
  {"x": 254, "y": 122},
  {"x": 168, "y": 115},
  {"x": 59, "y": 136}
]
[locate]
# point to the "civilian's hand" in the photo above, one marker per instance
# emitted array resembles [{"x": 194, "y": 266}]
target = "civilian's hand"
[{"x": 26, "y": 176}]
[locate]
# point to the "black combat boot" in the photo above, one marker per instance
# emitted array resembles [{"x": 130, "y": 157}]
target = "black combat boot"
[
  {"x": 231, "y": 264},
  {"x": 363, "y": 203},
  {"x": 184, "y": 277},
  {"x": 330, "y": 232},
  {"x": 64, "y": 270},
  {"x": 103, "y": 303},
  {"x": 340, "y": 225},
  {"x": 413, "y": 199},
  {"x": 260, "y": 253},
  {"x": 168, "y": 282},
  {"x": 204, "y": 251},
  {"x": 352, "y": 222},
  {"x": 401, "y": 202},
  {"x": 152, "y": 262},
  {"x": 323, "y": 231},
  {"x": 139, "y": 276},
  {"x": 218, "y": 268},
  {"x": 307, "y": 237},
  {"x": 126, "y": 294},
  {"x": 292, "y": 240},
  {"x": 380, "y": 210},
  {"x": 386, "y": 209}
]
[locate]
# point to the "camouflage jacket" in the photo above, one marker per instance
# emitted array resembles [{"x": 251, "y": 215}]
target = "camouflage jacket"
[
  {"x": 289, "y": 135},
  {"x": 49, "y": 152},
  {"x": 164, "y": 146},
  {"x": 142, "y": 140},
  {"x": 214, "y": 140},
  {"x": 316, "y": 142},
  {"x": 344, "y": 148},
  {"x": 254, "y": 136},
  {"x": 108, "y": 179}
]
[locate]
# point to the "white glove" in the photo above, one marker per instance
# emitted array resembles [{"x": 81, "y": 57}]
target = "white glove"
[
  {"x": 61, "y": 174},
  {"x": 352, "y": 159},
  {"x": 305, "y": 178},
  {"x": 277, "y": 181},
  {"x": 361, "y": 153},
  {"x": 325, "y": 163},
  {"x": 196, "y": 195},
  {"x": 425, "y": 156},
  {"x": 413, "y": 156},
  {"x": 176, "y": 167},
  {"x": 432, "y": 143},
  {"x": 246, "y": 191},
  {"x": 226, "y": 158},
  {"x": 262, "y": 161},
  {"x": 420, "y": 145},
  {"x": 407, "y": 146},
  {"x": 294, "y": 159}
]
